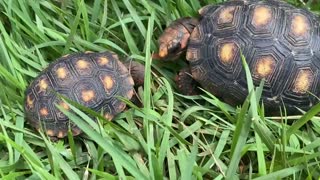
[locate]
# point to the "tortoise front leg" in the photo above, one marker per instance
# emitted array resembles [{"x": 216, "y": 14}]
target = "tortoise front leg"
[
  {"x": 136, "y": 70},
  {"x": 185, "y": 83}
]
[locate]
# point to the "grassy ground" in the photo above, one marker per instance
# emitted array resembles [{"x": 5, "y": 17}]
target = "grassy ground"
[{"x": 173, "y": 136}]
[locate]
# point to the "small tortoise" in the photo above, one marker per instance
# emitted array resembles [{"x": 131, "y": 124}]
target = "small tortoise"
[
  {"x": 280, "y": 43},
  {"x": 91, "y": 79}
]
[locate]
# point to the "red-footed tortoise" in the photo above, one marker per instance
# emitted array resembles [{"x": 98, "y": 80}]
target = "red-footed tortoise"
[
  {"x": 94, "y": 80},
  {"x": 280, "y": 43}
]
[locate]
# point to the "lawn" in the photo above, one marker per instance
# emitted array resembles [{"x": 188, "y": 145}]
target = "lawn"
[{"x": 171, "y": 137}]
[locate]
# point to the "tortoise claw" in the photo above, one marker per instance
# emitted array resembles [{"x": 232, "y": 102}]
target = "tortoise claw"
[{"x": 186, "y": 84}]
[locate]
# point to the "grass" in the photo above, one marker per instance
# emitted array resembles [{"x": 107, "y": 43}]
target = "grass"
[{"x": 171, "y": 137}]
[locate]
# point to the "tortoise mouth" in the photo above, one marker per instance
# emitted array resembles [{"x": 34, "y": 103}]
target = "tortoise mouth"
[{"x": 168, "y": 57}]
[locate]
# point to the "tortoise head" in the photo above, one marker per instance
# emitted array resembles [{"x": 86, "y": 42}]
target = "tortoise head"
[{"x": 175, "y": 38}]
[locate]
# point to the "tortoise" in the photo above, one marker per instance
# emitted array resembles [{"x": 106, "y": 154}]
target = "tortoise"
[
  {"x": 94, "y": 80},
  {"x": 280, "y": 43}
]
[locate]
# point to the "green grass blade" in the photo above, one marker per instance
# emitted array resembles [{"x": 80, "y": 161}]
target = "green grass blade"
[
  {"x": 129, "y": 39},
  {"x": 167, "y": 120},
  {"x": 281, "y": 173},
  {"x": 303, "y": 120},
  {"x": 63, "y": 165},
  {"x": 123, "y": 159}
]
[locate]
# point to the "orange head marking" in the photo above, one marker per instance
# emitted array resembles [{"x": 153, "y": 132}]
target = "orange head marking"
[{"x": 175, "y": 38}]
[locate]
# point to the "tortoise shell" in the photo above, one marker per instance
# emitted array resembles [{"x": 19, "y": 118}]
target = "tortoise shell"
[
  {"x": 90, "y": 79},
  {"x": 280, "y": 43}
]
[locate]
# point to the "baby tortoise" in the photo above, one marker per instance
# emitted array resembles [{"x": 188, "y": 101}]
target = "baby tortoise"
[
  {"x": 94, "y": 80},
  {"x": 280, "y": 43}
]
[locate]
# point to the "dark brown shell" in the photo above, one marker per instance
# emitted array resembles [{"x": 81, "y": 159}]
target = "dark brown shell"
[
  {"x": 281, "y": 43},
  {"x": 91, "y": 79}
]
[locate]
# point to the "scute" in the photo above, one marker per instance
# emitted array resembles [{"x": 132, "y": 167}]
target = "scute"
[
  {"x": 279, "y": 42},
  {"x": 77, "y": 77}
]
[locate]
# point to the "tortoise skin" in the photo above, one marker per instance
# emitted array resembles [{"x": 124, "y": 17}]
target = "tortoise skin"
[
  {"x": 90, "y": 79},
  {"x": 281, "y": 44}
]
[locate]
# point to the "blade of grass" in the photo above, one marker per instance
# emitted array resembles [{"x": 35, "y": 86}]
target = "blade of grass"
[
  {"x": 117, "y": 154},
  {"x": 103, "y": 175},
  {"x": 63, "y": 165},
  {"x": 283, "y": 172},
  {"x": 129, "y": 39},
  {"x": 18, "y": 137},
  {"x": 73, "y": 29},
  {"x": 171, "y": 165},
  {"x": 254, "y": 99},
  {"x": 303, "y": 120},
  {"x": 187, "y": 166},
  {"x": 167, "y": 119},
  {"x": 147, "y": 99}
]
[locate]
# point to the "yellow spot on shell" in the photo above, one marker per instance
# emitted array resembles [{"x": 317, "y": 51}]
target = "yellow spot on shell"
[
  {"x": 64, "y": 105},
  {"x": 303, "y": 81},
  {"x": 192, "y": 54},
  {"x": 87, "y": 95},
  {"x": 195, "y": 35},
  {"x": 44, "y": 112},
  {"x": 300, "y": 25},
  {"x": 61, "y": 134},
  {"x": 108, "y": 82},
  {"x": 227, "y": 52},
  {"x": 50, "y": 132},
  {"x": 204, "y": 9},
  {"x": 265, "y": 66},
  {"x": 30, "y": 101},
  {"x": 82, "y": 64},
  {"x": 43, "y": 84},
  {"x": 121, "y": 107},
  {"x": 103, "y": 61},
  {"x": 61, "y": 73},
  {"x": 226, "y": 15},
  {"x": 262, "y": 16},
  {"x": 131, "y": 82},
  {"x": 130, "y": 94},
  {"x": 108, "y": 116},
  {"x": 115, "y": 56}
]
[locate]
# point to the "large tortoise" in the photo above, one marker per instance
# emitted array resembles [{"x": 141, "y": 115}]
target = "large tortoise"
[
  {"x": 280, "y": 43},
  {"x": 94, "y": 80}
]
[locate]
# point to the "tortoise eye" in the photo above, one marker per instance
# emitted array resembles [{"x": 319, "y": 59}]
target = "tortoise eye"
[{"x": 174, "y": 47}]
